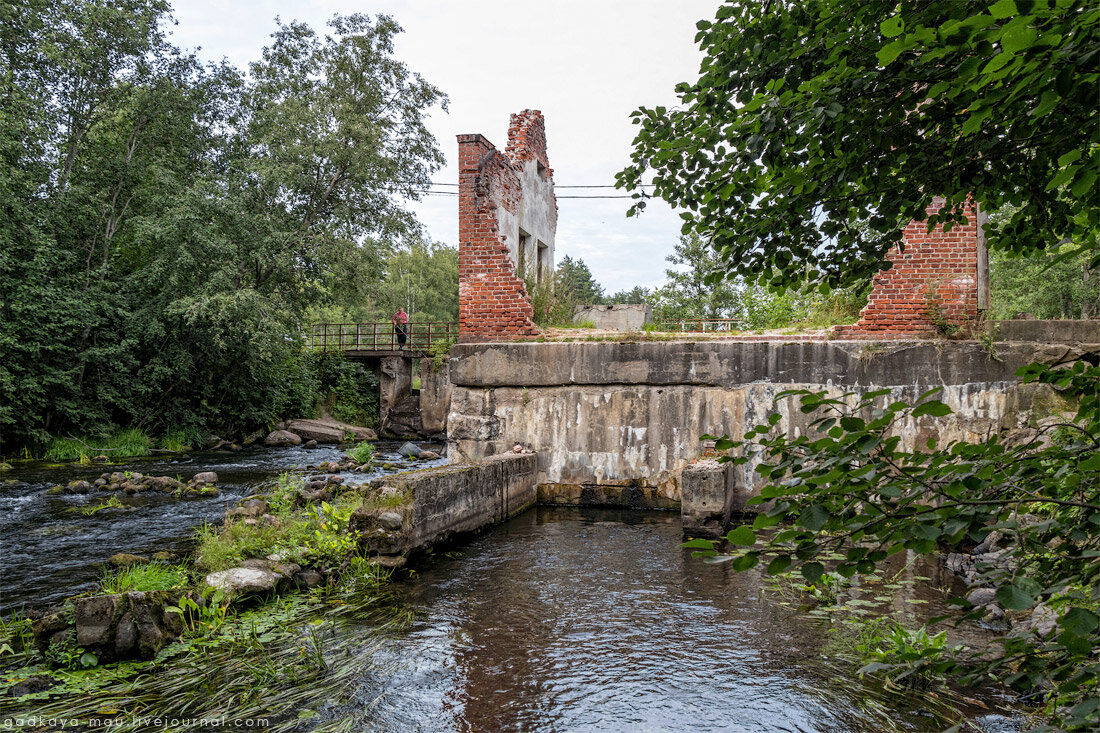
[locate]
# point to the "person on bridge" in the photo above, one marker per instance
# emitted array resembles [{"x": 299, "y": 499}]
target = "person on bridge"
[{"x": 400, "y": 327}]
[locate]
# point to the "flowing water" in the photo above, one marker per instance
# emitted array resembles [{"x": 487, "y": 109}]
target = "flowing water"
[
  {"x": 559, "y": 619},
  {"x": 596, "y": 620},
  {"x": 50, "y": 550}
]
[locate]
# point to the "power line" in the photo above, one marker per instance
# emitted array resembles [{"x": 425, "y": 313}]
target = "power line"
[{"x": 455, "y": 193}]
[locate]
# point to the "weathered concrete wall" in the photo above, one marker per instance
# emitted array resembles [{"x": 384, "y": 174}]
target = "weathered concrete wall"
[
  {"x": 631, "y": 415},
  {"x": 435, "y": 397},
  {"x": 618, "y": 317},
  {"x": 448, "y": 500}
]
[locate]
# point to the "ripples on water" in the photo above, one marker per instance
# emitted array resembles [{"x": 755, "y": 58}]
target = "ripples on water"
[
  {"x": 49, "y": 550},
  {"x": 577, "y": 620}
]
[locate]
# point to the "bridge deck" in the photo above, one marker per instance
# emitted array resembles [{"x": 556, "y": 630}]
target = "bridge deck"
[{"x": 366, "y": 340}]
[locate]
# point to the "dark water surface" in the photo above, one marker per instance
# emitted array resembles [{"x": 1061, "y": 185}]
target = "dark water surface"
[
  {"x": 49, "y": 550},
  {"x": 594, "y": 620}
]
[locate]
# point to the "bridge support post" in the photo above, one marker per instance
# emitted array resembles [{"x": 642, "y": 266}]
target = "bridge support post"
[{"x": 394, "y": 384}]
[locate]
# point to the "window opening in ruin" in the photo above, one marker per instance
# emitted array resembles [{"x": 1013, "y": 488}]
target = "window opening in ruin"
[
  {"x": 521, "y": 253},
  {"x": 543, "y": 265},
  {"x": 540, "y": 168}
]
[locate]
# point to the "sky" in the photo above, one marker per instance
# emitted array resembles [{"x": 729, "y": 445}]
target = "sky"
[{"x": 587, "y": 64}]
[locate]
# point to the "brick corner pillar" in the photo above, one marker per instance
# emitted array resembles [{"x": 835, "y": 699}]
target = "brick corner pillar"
[
  {"x": 939, "y": 283},
  {"x": 492, "y": 300}
]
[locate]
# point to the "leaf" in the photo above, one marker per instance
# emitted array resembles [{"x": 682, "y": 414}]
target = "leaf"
[
  {"x": 742, "y": 535},
  {"x": 779, "y": 564},
  {"x": 892, "y": 27},
  {"x": 1079, "y": 621},
  {"x": 1003, "y": 9},
  {"x": 1017, "y": 36},
  {"x": 814, "y": 517},
  {"x": 890, "y": 51},
  {"x": 812, "y": 571},
  {"x": 745, "y": 562},
  {"x": 698, "y": 544},
  {"x": 932, "y": 407},
  {"x": 1012, "y": 597}
]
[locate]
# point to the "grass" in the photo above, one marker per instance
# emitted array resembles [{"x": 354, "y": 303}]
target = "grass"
[
  {"x": 122, "y": 443},
  {"x": 112, "y": 503},
  {"x": 314, "y": 535},
  {"x": 150, "y": 577},
  {"x": 363, "y": 454},
  {"x": 179, "y": 440}
]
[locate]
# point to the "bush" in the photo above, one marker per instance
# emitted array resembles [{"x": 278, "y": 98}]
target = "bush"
[{"x": 363, "y": 454}]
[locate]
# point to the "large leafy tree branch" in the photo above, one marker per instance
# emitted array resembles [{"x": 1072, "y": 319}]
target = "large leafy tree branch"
[
  {"x": 847, "y": 487},
  {"x": 819, "y": 128}
]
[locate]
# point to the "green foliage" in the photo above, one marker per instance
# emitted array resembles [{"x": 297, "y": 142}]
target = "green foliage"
[
  {"x": 363, "y": 454},
  {"x": 314, "y": 535},
  {"x": 439, "y": 351},
  {"x": 1044, "y": 286},
  {"x": 846, "y": 487},
  {"x": 113, "y": 503},
  {"x": 575, "y": 284},
  {"x": 697, "y": 287},
  {"x": 635, "y": 296},
  {"x": 345, "y": 388},
  {"x": 115, "y": 444},
  {"x": 148, "y": 577},
  {"x": 550, "y": 300},
  {"x": 817, "y": 130},
  {"x": 421, "y": 277},
  {"x": 905, "y": 657},
  {"x": 167, "y": 223}
]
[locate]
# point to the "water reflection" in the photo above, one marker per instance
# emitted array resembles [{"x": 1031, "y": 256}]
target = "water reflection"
[{"x": 596, "y": 620}]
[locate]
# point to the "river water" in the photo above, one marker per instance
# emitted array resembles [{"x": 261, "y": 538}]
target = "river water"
[
  {"x": 49, "y": 549},
  {"x": 560, "y": 619},
  {"x": 596, "y": 620}
]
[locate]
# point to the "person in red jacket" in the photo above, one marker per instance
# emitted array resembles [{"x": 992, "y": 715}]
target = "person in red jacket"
[{"x": 400, "y": 327}]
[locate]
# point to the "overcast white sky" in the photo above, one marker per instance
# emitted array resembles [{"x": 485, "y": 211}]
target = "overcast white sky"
[{"x": 587, "y": 64}]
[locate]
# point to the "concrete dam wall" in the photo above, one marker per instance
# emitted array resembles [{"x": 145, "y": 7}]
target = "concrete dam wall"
[{"x": 617, "y": 423}]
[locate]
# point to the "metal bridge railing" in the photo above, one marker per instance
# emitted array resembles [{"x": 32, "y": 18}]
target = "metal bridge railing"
[
  {"x": 699, "y": 325},
  {"x": 379, "y": 336}
]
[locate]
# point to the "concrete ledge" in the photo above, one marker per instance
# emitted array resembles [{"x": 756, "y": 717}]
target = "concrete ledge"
[
  {"x": 448, "y": 500},
  {"x": 1053, "y": 331},
  {"x": 730, "y": 363},
  {"x": 629, "y": 496}
]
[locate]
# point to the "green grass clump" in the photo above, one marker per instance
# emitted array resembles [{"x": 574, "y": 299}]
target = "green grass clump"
[
  {"x": 363, "y": 454},
  {"x": 120, "y": 444},
  {"x": 314, "y": 535},
  {"x": 153, "y": 576},
  {"x": 586, "y": 324},
  {"x": 179, "y": 440}
]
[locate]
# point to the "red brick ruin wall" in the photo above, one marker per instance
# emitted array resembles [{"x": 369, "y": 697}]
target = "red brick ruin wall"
[
  {"x": 932, "y": 287},
  {"x": 493, "y": 304}
]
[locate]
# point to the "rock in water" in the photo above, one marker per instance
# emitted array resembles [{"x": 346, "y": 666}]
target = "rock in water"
[
  {"x": 410, "y": 450},
  {"x": 282, "y": 438},
  {"x": 243, "y": 581},
  {"x": 206, "y": 477},
  {"x": 125, "y": 560}
]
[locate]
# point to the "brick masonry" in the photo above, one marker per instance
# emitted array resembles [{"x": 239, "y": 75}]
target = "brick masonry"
[
  {"x": 495, "y": 192},
  {"x": 938, "y": 284}
]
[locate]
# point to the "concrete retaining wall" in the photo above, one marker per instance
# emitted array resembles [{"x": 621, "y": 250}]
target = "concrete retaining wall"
[
  {"x": 626, "y": 419},
  {"x": 448, "y": 500}
]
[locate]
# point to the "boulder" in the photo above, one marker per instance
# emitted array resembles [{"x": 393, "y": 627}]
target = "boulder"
[
  {"x": 981, "y": 596},
  {"x": 254, "y": 437},
  {"x": 409, "y": 450},
  {"x": 78, "y": 487},
  {"x": 391, "y": 520},
  {"x": 310, "y": 444},
  {"x": 429, "y": 455},
  {"x": 212, "y": 442},
  {"x": 206, "y": 477},
  {"x": 308, "y": 578},
  {"x": 282, "y": 438},
  {"x": 328, "y": 430},
  {"x": 243, "y": 581},
  {"x": 125, "y": 560}
]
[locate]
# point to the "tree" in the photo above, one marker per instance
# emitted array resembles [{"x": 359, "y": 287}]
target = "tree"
[
  {"x": 167, "y": 223},
  {"x": 576, "y": 284},
  {"x": 688, "y": 292},
  {"x": 1049, "y": 286},
  {"x": 422, "y": 278},
  {"x": 810, "y": 117},
  {"x": 635, "y": 296}
]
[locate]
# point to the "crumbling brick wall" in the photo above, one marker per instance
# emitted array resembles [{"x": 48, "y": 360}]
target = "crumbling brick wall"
[
  {"x": 507, "y": 216},
  {"x": 936, "y": 286}
]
